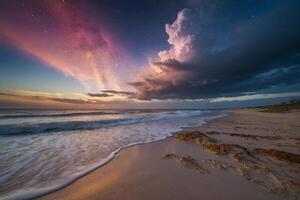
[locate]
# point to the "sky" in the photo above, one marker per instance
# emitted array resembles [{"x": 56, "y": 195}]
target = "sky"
[{"x": 111, "y": 54}]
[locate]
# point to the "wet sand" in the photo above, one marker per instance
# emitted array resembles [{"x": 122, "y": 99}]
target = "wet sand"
[{"x": 220, "y": 161}]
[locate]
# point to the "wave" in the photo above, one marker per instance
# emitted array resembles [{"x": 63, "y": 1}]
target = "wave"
[
  {"x": 73, "y": 114},
  {"x": 20, "y": 129}
]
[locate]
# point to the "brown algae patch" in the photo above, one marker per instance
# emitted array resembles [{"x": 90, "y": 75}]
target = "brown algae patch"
[
  {"x": 210, "y": 144},
  {"x": 169, "y": 156},
  {"x": 256, "y": 137},
  {"x": 194, "y": 136},
  {"x": 281, "y": 155},
  {"x": 189, "y": 162},
  {"x": 186, "y": 161},
  {"x": 217, "y": 164},
  {"x": 224, "y": 149},
  {"x": 251, "y": 136}
]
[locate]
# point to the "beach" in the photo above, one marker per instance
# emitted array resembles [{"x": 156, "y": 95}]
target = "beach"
[
  {"x": 149, "y": 100},
  {"x": 247, "y": 155}
]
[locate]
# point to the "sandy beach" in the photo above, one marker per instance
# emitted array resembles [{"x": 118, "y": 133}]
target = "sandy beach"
[
  {"x": 149, "y": 100},
  {"x": 247, "y": 155}
]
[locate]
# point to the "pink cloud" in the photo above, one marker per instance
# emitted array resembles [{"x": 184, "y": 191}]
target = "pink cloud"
[
  {"x": 181, "y": 39},
  {"x": 67, "y": 38}
]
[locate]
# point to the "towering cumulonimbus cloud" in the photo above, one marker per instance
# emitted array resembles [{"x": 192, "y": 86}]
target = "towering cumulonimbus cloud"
[
  {"x": 201, "y": 63},
  {"x": 66, "y": 36},
  {"x": 181, "y": 38},
  {"x": 169, "y": 71}
]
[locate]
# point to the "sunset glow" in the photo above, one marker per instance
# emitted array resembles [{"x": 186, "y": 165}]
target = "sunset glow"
[
  {"x": 104, "y": 53},
  {"x": 202, "y": 91},
  {"x": 61, "y": 35}
]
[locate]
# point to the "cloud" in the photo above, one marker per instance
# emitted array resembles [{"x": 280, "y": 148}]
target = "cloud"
[
  {"x": 7, "y": 94},
  {"x": 66, "y": 36},
  {"x": 71, "y": 101},
  {"x": 122, "y": 93},
  {"x": 181, "y": 38},
  {"x": 257, "y": 96},
  {"x": 199, "y": 64},
  {"x": 99, "y": 95},
  {"x": 113, "y": 93}
]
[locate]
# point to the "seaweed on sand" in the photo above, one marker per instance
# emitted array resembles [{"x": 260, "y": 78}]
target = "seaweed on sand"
[{"x": 186, "y": 161}]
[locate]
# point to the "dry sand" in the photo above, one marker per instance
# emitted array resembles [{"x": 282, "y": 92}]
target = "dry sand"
[{"x": 176, "y": 169}]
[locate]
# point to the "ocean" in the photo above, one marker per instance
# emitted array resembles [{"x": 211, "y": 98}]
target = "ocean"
[{"x": 44, "y": 150}]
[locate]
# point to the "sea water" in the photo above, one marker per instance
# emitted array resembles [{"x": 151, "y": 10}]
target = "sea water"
[{"x": 44, "y": 150}]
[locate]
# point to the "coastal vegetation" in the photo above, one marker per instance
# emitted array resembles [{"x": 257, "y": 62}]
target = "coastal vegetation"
[{"x": 283, "y": 107}]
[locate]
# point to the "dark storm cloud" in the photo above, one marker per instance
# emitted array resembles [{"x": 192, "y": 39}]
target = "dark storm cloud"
[
  {"x": 7, "y": 94},
  {"x": 262, "y": 52},
  {"x": 173, "y": 64},
  {"x": 111, "y": 93},
  {"x": 129, "y": 95},
  {"x": 99, "y": 95},
  {"x": 71, "y": 101}
]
